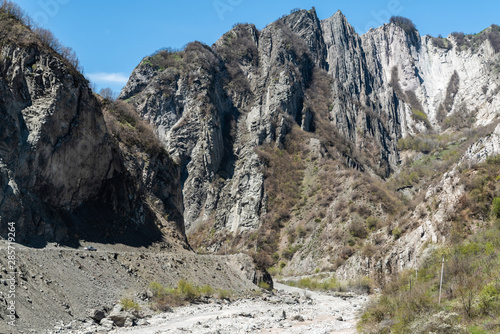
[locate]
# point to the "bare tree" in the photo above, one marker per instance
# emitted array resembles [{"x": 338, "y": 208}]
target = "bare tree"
[{"x": 108, "y": 94}]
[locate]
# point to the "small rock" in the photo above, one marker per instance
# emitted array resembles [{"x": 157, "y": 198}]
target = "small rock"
[
  {"x": 116, "y": 309},
  {"x": 340, "y": 319},
  {"x": 106, "y": 323},
  {"x": 129, "y": 322},
  {"x": 298, "y": 318},
  {"x": 142, "y": 322},
  {"x": 121, "y": 318},
  {"x": 97, "y": 314}
]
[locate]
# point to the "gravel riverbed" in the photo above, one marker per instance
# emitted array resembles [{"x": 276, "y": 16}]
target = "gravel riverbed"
[{"x": 288, "y": 310}]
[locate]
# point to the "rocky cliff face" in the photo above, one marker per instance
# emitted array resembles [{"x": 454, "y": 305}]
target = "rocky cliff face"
[
  {"x": 62, "y": 174},
  {"x": 222, "y": 110}
]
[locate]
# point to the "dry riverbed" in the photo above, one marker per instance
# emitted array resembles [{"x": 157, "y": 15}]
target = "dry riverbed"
[{"x": 288, "y": 310}]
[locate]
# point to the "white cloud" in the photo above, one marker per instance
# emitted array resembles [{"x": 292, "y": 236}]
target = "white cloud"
[{"x": 110, "y": 78}]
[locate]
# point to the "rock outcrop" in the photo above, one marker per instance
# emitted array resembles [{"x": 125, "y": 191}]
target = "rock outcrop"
[
  {"x": 62, "y": 174},
  {"x": 488, "y": 146}
]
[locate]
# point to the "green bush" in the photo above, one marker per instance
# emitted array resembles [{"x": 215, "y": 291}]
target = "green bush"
[
  {"x": 187, "y": 290},
  {"x": 224, "y": 294},
  {"x": 495, "y": 207},
  {"x": 372, "y": 222},
  {"x": 489, "y": 299},
  {"x": 129, "y": 305},
  {"x": 470, "y": 293},
  {"x": 264, "y": 285},
  {"x": 159, "y": 290},
  {"x": 290, "y": 251},
  {"x": 206, "y": 290},
  {"x": 396, "y": 233},
  {"x": 330, "y": 284},
  {"x": 424, "y": 144},
  {"x": 164, "y": 297}
]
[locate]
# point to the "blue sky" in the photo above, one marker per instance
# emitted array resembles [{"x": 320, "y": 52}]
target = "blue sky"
[{"x": 111, "y": 37}]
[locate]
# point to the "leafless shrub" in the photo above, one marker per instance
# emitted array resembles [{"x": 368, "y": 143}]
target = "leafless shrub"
[
  {"x": 108, "y": 94},
  {"x": 124, "y": 123},
  {"x": 406, "y": 24},
  {"x": 13, "y": 10},
  {"x": 346, "y": 252},
  {"x": 442, "y": 43},
  {"x": 357, "y": 228},
  {"x": 45, "y": 36}
]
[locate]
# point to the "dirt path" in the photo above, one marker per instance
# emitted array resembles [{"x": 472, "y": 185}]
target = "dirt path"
[{"x": 291, "y": 310}]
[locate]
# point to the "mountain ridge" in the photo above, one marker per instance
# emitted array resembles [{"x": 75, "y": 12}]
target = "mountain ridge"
[
  {"x": 305, "y": 145},
  {"x": 381, "y": 87}
]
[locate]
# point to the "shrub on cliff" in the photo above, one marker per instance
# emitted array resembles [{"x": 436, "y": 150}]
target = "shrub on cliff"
[
  {"x": 12, "y": 20},
  {"x": 406, "y": 24},
  {"x": 126, "y": 125}
]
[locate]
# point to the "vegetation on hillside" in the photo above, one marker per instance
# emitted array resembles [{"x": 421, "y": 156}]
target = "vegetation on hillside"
[
  {"x": 441, "y": 42},
  {"x": 124, "y": 124},
  {"x": 17, "y": 27},
  {"x": 239, "y": 48},
  {"x": 473, "y": 41},
  {"x": 407, "y": 25},
  {"x": 470, "y": 295},
  {"x": 461, "y": 41}
]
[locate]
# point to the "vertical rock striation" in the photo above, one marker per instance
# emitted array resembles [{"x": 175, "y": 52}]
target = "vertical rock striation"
[{"x": 213, "y": 106}]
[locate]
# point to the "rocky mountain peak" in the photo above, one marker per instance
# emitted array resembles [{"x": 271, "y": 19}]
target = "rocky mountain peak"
[{"x": 353, "y": 99}]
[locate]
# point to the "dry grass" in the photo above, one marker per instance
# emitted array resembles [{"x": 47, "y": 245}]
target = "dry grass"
[
  {"x": 472, "y": 267},
  {"x": 126, "y": 125}
]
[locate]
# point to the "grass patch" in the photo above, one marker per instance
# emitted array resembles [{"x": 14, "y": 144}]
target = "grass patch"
[{"x": 224, "y": 294}]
